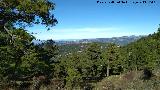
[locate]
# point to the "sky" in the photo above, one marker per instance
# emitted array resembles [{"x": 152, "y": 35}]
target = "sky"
[{"x": 83, "y": 19}]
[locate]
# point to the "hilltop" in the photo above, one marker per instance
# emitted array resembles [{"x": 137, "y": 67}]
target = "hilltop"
[{"x": 124, "y": 40}]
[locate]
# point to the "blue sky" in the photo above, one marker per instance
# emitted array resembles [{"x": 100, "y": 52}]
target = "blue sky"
[{"x": 79, "y": 19}]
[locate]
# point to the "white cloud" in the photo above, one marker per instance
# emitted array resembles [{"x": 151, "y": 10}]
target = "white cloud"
[{"x": 82, "y": 33}]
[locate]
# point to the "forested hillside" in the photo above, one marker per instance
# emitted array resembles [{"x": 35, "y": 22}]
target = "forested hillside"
[
  {"x": 97, "y": 61},
  {"x": 79, "y": 45},
  {"x": 141, "y": 66},
  {"x": 26, "y": 66},
  {"x": 144, "y": 52}
]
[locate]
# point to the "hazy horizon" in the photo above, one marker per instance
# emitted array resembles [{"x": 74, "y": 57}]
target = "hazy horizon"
[{"x": 87, "y": 38}]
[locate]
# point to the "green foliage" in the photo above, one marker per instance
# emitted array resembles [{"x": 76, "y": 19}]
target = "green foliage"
[
  {"x": 143, "y": 53},
  {"x": 19, "y": 58},
  {"x": 20, "y": 11},
  {"x": 73, "y": 78},
  {"x": 93, "y": 53},
  {"x": 71, "y": 66}
]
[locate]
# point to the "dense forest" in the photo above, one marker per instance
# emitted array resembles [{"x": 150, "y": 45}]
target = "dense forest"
[{"x": 26, "y": 66}]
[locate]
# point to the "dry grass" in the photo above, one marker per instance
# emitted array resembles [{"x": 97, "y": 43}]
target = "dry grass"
[{"x": 129, "y": 81}]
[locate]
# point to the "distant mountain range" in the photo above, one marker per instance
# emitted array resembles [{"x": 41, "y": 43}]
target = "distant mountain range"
[{"x": 118, "y": 40}]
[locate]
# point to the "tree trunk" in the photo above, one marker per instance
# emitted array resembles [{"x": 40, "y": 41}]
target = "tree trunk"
[{"x": 108, "y": 70}]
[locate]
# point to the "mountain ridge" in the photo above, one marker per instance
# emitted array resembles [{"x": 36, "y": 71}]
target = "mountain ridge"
[{"x": 123, "y": 40}]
